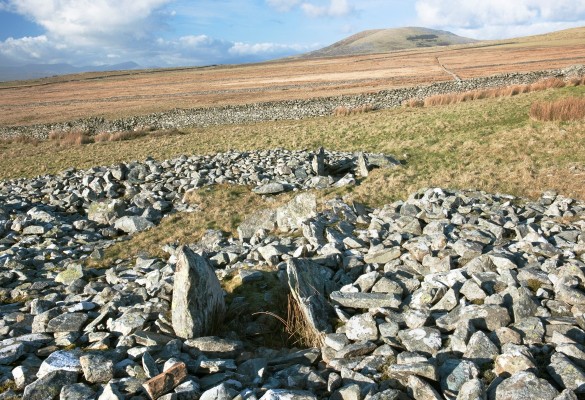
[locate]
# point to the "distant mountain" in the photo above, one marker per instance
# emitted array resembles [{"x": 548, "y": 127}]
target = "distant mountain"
[
  {"x": 35, "y": 71},
  {"x": 385, "y": 40}
]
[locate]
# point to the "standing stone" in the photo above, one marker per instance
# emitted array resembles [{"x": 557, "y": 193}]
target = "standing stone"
[
  {"x": 198, "y": 305},
  {"x": 362, "y": 165},
  {"x": 318, "y": 162}
]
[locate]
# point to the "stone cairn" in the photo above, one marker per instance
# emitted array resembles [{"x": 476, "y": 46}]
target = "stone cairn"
[{"x": 447, "y": 295}]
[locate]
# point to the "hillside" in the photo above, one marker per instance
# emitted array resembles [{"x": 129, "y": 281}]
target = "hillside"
[{"x": 386, "y": 40}]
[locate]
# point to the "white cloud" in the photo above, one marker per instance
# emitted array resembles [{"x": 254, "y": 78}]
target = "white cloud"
[
  {"x": 86, "y": 22},
  {"x": 500, "y": 18},
  {"x": 283, "y": 5},
  {"x": 332, "y": 8},
  {"x": 247, "y": 49}
]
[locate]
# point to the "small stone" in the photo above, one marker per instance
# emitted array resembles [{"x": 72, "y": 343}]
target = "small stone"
[
  {"x": 97, "y": 368},
  {"x": 420, "y": 389},
  {"x": 68, "y": 322},
  {"x": 270, "y": 188},
  {"x": 49, "y": 385},
  {"x": 77, "y": 391},
  {"x": 423, "y": 340},
  {"x": 166, "y": 381},
  {"x": 361, "y": 327},
  {"x": 525, "y": 385},
  {"x": 383, "y": 256},
  {"x": 71, "y": 274},
  {"x": 215, "y": 347},
  {"x": 566, "y": 374}
]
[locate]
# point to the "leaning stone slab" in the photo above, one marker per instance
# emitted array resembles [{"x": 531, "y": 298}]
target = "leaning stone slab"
[
  {"x": 198, "y": 305},
  {"x": 308, "y": 288},
  {"x": 365, "y": 300}
]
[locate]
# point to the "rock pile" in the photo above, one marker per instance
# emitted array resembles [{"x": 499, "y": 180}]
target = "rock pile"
[
  {"x": 284, "y": 110},
  {"x": 447, "y": 295}
]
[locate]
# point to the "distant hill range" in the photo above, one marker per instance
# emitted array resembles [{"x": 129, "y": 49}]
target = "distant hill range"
[
  {"x": 385, "y": 40},
  {"x": 34, "y": 71}
]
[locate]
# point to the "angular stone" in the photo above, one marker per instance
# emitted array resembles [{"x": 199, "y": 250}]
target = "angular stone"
[
  {"x": 166, "y": 381},
  {"x": 71, "y": 274},
  {"x": 68, "y": 322},
  {"x": 111, "y": 392},
  {"x": 419, "y": 389},
  {"x": 215, "y": 347},
  {"x": 287, "y": 394},
  {"x": 480, "y": 349},
  {"x": 61, "y": 360},
  {"x": 49, "y": 386},
  {"x": 77, "y": 391},
  {"x": 105, "y": 213},
  {"x": 97, "y": 368},
  {"x": 424, "y": 369},
  {"x": 454, "y": 373},
  {"x": 129, "y": 322},
  {"x": 263, "y": 219},
  {"x": 472, "y": 390},
  {"x": 383, "y": 256},
  {"x": 515, "y": 359},
  {"x": 365, "y": 300},
  {"x": 422, "y": 340},
  {"x": 531, "y": 329},
  {"x": 133, "y": 224},
  {"x": 361, "y": 327},
  {"x": 198, "y": 305},
  {"x": 566, "y": 374},
  {"x": 336, "y": 341},
  {"x": 11, "y": 353},
  {"x": 298, "y": 210},
  {"x": 525, "y": 385},
  {"x": 270, "y": 188}
]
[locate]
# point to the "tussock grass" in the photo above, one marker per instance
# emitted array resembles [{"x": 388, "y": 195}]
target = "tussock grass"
[
  {"x": 70, "y": 138},
  {"x": 569, "y": 109},
  {"x": 509, "y": 91}
]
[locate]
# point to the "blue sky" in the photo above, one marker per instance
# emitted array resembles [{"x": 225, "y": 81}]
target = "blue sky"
[{"x": 201, "y": 32}]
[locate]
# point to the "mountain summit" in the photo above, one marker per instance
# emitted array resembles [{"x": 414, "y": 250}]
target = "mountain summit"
[{"x": 385, "y": 40}]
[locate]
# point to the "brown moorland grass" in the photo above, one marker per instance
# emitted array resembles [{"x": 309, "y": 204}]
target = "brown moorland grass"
[
  {"x": 119, "y": 94},
  {"x": 569, "y": 109}
]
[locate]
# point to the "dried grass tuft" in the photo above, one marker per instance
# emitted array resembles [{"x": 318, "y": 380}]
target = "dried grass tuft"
[
  {"x": 569, "y": 109},
  {"x": 70, "y": 138}
]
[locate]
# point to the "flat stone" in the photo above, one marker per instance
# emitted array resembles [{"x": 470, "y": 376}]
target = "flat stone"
[
  {"x": 420, "y": 389},
  {"x": 424, "y": 369},
  {"x": 71, "y": 274},
  {"x": 215, "y": 347},
  {"x": 68, "y": 322},
  {"x": 270, "y": 188},
  {"x": 365, "y": 300},
  {"x": 166, "y": 381},
  {"x": 129, "y": 322},
  {"x": 77, "y": 391},
  {"x": 61, "y": 360},
  {"x": 383, "y": 256},
  {"x": 133, "y": 224}
]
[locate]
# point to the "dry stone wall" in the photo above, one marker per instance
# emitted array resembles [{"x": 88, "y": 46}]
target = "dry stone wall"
[{"x": 283, "y": 110}]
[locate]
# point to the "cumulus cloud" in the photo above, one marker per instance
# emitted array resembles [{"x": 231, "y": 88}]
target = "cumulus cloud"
[
  {"x": 93, "y": 32},
  {"x": 500, "y": 18}
]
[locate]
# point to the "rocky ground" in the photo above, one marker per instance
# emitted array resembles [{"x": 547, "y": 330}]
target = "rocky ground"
[{"x": 447, "y": 295}]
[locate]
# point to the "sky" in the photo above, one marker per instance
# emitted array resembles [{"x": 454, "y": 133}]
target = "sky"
[{"x": 166, "y": 33}]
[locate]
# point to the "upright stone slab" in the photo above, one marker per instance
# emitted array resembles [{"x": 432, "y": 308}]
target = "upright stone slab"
[{"x": 198, "y": 304}]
